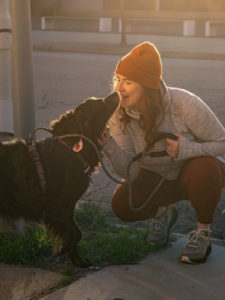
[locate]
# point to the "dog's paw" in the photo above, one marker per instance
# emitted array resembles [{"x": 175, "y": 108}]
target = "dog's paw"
[
  {"x": 59, "y": 250},
  {"x": 81, "y": 262}
]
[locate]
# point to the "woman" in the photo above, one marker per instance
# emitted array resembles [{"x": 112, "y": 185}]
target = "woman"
[{"x": 191, "y": 169}]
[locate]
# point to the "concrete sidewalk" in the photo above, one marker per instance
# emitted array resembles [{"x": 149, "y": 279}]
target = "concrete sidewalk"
[
  {"x": 158, "y": 277},
  {"x": 109, "y": 43}
]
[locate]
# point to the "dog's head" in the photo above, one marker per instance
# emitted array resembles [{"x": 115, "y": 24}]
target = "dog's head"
[{"x": 89, "y": 118}]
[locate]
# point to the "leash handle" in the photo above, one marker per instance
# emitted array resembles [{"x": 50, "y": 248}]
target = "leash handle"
[
  {"x": 165, "y": 135},
  {"x": 160, "y": 136}
]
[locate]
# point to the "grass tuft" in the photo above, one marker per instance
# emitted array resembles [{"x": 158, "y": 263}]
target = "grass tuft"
[
  {"x": 103, "y": 242},
  {"x": 108, "y": 243},
  {"x": 25, "y": 249}
]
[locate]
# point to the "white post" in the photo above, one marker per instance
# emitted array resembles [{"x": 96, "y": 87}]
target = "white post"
[
  {"x": 105, "y": 24},
  {"x": 189, "y": 28},
  {"x": 157, "y": 5},
  {"x": 207, "y": 29},
  {"x": 22, "y": 63},
  {"x": 43, "y": 23},
  {"x": 6, "y": 103}
]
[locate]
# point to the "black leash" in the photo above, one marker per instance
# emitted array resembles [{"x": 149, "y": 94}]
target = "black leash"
[{"x": 140, "y": 156}]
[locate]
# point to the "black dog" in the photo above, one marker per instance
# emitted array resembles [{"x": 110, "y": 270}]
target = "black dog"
[{"x": 66, "y": 172}]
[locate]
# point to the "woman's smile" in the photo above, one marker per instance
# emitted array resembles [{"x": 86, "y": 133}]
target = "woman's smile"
[{"x": 130, "y": 92}]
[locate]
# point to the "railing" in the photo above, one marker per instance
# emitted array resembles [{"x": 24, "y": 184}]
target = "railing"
[{"x": 208, "y": 24}]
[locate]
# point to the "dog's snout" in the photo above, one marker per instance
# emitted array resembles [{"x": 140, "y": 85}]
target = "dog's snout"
[{"x": 112, "y": 100}]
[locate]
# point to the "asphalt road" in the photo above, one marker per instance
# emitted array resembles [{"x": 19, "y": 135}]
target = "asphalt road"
[{"x": 62, "y": 80}]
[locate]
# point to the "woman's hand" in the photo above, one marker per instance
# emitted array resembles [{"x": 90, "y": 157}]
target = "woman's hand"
[
  {"x": 105, "y": 137},
  {"x": 172, "y": 146}
]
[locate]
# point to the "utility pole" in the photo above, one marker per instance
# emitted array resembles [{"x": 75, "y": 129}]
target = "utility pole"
[
  {"x": 16, "y": 79},
  {"x": 6, "y": 103},
  {"x": 22, "y": 68}
]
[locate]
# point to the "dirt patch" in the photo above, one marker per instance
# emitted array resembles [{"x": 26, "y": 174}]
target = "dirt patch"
[{"x": 20, "y": 283}]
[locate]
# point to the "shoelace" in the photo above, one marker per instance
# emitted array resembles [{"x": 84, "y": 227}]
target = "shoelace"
[
  {"x": 195, "y": 237},
  {"x": 157, "y": 224}
]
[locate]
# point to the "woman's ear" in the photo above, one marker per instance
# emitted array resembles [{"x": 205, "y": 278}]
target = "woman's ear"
[{"x": 78, "y": 146}]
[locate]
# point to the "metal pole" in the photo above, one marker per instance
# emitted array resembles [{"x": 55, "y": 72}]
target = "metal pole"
[
  {"x": 123, "y": 41},
  {"x": 22, "y": 68},
  {"x": 6, "y": 103},
  {"x": 19, "y": 82}
]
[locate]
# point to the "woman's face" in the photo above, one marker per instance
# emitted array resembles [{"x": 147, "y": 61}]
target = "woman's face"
[{"x": 130, "y": 92}]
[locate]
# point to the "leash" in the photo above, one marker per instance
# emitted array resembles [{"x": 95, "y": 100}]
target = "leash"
[
  {"x": 139, "y": 157},
  {"x": 99, "y": 155},
  {"x": 131, "y": 206}
]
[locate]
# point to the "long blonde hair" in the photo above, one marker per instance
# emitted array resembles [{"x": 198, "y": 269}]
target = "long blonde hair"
[{"x": 152, "y": 110}]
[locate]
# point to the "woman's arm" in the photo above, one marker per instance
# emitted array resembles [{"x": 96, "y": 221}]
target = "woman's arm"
[{"x": 208, "y": 131}]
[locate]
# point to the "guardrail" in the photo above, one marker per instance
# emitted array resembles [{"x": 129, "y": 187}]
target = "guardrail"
[{"x": 212, "y": 23}]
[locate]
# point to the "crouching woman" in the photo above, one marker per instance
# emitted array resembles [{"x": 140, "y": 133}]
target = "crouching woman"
[{"x": 190, "y": 171}]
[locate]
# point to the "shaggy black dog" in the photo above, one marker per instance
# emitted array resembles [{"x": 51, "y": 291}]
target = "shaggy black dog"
[{"x": 67, "y": 172}]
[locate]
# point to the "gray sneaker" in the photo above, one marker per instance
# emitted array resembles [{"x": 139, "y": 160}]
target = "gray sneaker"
[
  {"x": 159, "y": 227},
  {"x": 197, "y": 248}
]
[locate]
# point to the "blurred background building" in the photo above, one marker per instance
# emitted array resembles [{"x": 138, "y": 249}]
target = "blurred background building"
[{"x": 161, "y": 17}]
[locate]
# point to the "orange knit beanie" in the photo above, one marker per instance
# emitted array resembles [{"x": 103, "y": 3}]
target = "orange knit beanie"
[{"x": 143, "y": 65}]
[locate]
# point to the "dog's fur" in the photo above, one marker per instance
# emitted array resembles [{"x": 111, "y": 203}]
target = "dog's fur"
[{"x": 21, "y": 194}]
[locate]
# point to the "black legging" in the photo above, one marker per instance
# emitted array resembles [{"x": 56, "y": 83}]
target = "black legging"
[{"x": 201, "y": 181}]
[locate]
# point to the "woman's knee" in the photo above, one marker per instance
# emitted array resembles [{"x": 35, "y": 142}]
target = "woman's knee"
[
  {"x": 120, "y": 204},
  {"x": 204, "y": 170}
]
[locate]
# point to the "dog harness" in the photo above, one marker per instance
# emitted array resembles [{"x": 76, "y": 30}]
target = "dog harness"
[
  {"x": 35, "y": 156},
  {"x": 32, "y": 149}
]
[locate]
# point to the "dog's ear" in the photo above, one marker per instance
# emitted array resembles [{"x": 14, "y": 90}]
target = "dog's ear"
[{"x": 78, "y": 146}]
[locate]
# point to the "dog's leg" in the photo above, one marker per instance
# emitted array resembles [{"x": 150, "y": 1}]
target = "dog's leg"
[
  {"x": 72, "y": 246},
  {"x": 61, "y": 224}
]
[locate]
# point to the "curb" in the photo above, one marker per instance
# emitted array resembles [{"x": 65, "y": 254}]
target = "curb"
[{"x": 120, "y": 50}]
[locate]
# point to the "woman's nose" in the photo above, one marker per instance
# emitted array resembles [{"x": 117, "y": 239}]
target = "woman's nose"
[{"x": 120, "y": 86}]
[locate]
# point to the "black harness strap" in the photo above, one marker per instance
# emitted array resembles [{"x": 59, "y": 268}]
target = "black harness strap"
[
  {"x": 35, "y": 156},
  {"x": 32, "y": 149}
]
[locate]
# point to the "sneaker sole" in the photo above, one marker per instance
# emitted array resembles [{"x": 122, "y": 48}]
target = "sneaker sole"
[{"x": 187, "y": 260}]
